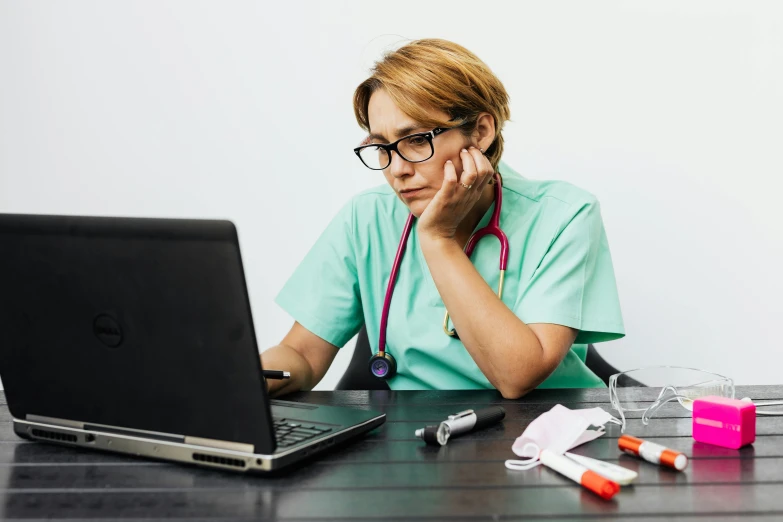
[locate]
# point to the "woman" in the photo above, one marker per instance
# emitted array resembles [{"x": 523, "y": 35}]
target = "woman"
[{"x": 434, "y": 113}]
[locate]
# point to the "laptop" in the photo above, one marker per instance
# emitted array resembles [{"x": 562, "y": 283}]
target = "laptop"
[{"x": 135, "y": 336}]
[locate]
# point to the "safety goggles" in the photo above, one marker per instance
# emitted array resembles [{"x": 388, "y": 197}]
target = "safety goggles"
[{"x": 670, "y": 383}]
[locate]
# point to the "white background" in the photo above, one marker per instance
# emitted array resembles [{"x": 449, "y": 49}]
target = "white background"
[{"x": 670, "y": 112}]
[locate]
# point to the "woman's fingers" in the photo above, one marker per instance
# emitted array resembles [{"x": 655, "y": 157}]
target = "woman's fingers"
[
  {"x": 476, "y": 173},
  {"x": 454, "y": 200},
  {"x": 483, "y": 168},
  {"x": 470, "y": 173},
  {"x": 449, "y": 179}
]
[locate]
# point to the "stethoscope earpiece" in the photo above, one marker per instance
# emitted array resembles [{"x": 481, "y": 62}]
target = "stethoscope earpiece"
[{"x": 383, "y": 365}]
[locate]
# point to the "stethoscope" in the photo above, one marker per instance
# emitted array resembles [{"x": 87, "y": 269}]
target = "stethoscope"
[{"x": 382, "y": 364}]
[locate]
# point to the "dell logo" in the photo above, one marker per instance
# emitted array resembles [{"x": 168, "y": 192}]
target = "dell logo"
[{"x": 107, "y": 330}]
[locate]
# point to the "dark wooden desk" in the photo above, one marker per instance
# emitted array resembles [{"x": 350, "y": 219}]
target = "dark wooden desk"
[{"x": 390, "y": 475}]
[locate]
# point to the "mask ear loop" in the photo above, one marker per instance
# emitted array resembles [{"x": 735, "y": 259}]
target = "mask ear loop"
[{"x": 526, "y": 464}]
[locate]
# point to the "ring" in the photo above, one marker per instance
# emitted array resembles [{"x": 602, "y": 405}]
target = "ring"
[{"x": 466, "y": 186}]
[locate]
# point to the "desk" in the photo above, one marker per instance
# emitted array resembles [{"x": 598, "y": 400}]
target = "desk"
[{"x": 390, "y": 475}]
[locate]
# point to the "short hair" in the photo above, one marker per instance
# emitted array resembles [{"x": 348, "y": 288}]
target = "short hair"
[{"x": 441, "y": 75}]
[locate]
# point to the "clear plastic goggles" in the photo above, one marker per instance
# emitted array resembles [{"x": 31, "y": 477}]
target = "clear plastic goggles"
[{"x": 671, "y": 383}]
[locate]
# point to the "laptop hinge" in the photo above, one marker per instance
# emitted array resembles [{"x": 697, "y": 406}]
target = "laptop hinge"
[
  {"x": 54, "y": 421},
  {"x": 221, "y": 444}
]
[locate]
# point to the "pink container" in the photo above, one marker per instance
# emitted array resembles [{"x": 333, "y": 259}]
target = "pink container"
[{"x": 730, "y": 423}]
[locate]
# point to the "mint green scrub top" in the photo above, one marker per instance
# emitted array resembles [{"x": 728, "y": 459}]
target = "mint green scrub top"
[{"x": 559, "y": 271}]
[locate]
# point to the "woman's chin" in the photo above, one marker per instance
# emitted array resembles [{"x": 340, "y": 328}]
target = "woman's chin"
[{"x": 417, "y": 207}]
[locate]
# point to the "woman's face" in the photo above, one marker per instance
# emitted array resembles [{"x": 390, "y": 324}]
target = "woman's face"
[{"x": 415, "y": 183}]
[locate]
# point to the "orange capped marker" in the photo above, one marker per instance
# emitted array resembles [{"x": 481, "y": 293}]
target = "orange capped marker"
[
  {"x": 591, "y": 480},
  {"x": 652, "y": 452}
]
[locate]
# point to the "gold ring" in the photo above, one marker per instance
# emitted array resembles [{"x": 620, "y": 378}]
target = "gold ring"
[{"x": 466, "y": 186}]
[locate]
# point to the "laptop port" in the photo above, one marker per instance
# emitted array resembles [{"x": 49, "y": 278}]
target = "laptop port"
[
  {"x": 214, "y": 459},
  {"x": 53, "y": 435}
]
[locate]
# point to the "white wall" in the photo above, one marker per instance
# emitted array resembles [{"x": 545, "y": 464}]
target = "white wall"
[{"x": 669, "y": 111}]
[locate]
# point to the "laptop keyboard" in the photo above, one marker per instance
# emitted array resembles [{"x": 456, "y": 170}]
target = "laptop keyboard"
[{"x": 290, "y": 432}]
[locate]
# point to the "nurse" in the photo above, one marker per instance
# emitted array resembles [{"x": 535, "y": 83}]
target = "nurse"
[{"x": 434, "y": 114}]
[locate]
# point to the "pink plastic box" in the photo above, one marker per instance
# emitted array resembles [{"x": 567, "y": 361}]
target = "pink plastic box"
[{"x": 730, "y": 423}]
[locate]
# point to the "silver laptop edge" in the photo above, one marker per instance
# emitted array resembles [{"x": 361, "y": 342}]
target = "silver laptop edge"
[{"x": 193, "y": 450}]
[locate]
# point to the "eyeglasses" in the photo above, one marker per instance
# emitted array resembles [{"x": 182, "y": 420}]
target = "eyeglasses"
[
  {"x": 670, "y": 383},
  {"x": 414, "y": 148}
]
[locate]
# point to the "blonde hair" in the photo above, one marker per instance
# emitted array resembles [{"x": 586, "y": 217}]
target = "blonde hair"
[{"x": 441, "y": 75}]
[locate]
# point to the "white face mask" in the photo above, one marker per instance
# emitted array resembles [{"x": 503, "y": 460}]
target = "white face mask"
[{"x": 558, "y": 430}]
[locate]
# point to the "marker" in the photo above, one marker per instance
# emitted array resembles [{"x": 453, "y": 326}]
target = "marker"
[
  {"x": 615, "y": 473},
  {"x": 652, "y": 452},
  {"x": 591, "y": 480}
]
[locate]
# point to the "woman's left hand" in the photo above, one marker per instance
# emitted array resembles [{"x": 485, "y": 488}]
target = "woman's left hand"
[{"x": 453, "y": 201}]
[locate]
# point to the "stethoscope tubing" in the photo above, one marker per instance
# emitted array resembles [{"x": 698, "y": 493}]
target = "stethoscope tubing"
[{"x": 492, "y": 228}]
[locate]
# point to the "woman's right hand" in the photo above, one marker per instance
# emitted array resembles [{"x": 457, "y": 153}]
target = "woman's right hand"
[{"x": 302, "y": 353}]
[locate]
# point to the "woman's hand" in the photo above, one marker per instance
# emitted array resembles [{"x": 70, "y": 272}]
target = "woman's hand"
[{"x": 453, "y": 201}]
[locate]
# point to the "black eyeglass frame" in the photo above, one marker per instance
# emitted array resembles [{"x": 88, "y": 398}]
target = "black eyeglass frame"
[{"x": 429, "y": 136}]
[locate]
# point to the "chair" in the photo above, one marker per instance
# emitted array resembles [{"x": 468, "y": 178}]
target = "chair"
[{"x": 357, "y": 375}]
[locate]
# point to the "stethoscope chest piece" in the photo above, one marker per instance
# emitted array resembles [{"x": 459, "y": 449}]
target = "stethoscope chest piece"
[{"x": 383, "y": 365}]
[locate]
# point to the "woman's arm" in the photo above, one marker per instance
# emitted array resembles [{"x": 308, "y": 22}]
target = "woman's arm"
[
  {"x": 302, "y": 353},
  {"x": 514, "y": 356}
]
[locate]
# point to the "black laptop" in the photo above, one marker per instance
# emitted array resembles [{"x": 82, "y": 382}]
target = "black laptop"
[{"x": 135, "y": 336}]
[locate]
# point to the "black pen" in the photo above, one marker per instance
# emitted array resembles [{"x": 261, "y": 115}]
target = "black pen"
[
  {"x": 276, "y": 374},
  {"x": 461, "y": 423}
]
